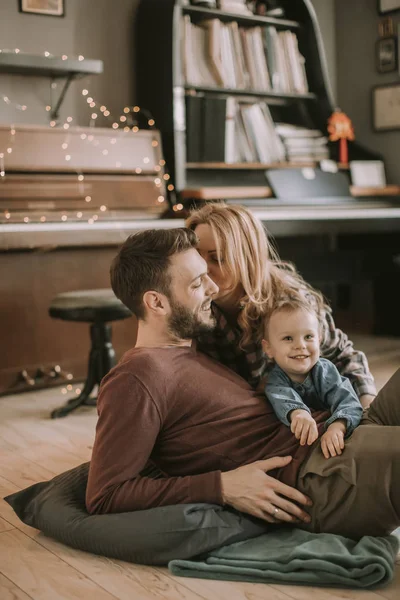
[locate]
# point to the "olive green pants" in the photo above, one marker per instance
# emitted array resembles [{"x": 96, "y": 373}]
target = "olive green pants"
[{"x": 358, "y": 492}]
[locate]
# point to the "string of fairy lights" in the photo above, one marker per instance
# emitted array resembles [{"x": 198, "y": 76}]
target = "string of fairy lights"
[{"x": 126, "y": 122}]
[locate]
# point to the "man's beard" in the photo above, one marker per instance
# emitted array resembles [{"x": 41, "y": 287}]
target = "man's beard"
[{"x": 186, "y": 325}]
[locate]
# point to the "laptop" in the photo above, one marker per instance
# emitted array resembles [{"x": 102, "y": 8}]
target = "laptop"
[{"x": 308, "y": 185}]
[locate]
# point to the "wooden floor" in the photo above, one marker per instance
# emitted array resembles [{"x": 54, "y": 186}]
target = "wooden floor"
[{"x": 35, "y": 448}]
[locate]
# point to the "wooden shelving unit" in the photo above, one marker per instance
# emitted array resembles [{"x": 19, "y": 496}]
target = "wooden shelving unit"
[{"x": 162, "y": 89}]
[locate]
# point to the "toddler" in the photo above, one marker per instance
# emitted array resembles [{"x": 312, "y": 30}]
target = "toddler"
[{"x": 300, "y": 380}]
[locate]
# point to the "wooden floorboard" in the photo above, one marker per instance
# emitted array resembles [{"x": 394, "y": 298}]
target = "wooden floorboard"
[
  {"x": 9, "y": 591},
  {"x": 32, "y": 566}
]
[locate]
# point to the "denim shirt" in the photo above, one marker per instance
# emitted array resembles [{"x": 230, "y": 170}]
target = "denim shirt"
[{"x": 323, "y": 389}]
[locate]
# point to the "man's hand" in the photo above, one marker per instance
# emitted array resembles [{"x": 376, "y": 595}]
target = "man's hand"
[
  {"x": 250, "y": 490},
  {"x": 303, "y": 426},
  {"x": 332, "y": 442},
  {"x": 365, "y": 400}
]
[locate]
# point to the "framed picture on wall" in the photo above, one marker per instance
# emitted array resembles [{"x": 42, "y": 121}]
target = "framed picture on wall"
[
  {"x": 387, "y": 6},
  {"x": 53, "y": 8},
  {"x": 386, "y": 107},
  {"x": 386, "y": 55}
]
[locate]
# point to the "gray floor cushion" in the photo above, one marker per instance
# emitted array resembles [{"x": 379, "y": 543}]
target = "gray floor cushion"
[{"x": 153, "y": 537}]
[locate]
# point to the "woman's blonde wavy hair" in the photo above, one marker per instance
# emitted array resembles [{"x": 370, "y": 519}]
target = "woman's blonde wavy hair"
[{"x": 247, "y": 255}]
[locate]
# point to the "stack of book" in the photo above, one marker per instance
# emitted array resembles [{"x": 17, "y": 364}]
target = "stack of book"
[
  {"x": 250, "y": 58},
  {"x": 302, "y": 144},
  {"x": 223, "y": 129}
]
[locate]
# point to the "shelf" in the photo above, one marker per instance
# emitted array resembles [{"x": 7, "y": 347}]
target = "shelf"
[
  {"x": 257, "y": 94},
  {"x": 52, "y": 66},
  {"x": 222, "y": 192},
  {"x": 218, "y": 193},
  {"x": 249, "y": 166},
  {"x": 365, "y": 192},
  {"x": 242, "y": 19}
]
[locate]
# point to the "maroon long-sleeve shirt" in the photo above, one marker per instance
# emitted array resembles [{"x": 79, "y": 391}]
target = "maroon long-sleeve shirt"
[{"x": 193, "y": 417}]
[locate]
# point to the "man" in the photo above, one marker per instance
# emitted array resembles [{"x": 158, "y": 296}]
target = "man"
[{"x": 212, "y": 435}]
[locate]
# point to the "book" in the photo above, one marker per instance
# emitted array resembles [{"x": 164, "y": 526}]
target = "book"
[
  {"x": 194, "y": 127},
  {"x": 218, "y": 54}
]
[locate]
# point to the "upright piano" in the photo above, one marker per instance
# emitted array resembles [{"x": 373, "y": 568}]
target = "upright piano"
[{"x": 68, "y": 199}]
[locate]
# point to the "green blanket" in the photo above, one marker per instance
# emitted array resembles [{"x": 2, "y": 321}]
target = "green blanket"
[{"x": 297, "y": 557}]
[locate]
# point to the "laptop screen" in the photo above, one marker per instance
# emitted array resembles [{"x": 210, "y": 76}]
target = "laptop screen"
[{"x": 307, "y": 183}]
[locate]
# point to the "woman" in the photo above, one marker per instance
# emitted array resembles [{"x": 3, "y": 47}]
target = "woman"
[{"x": 250, "y": 277}]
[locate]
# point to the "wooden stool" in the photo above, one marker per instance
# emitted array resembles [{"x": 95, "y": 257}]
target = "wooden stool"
[{"x": 98, "y": 307}]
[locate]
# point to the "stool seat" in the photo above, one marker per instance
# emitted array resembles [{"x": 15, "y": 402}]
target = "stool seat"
[{"x": 89, "y": 306}]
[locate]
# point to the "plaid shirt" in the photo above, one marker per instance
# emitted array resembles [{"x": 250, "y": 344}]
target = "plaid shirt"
[{"x": 223, "y": 344}]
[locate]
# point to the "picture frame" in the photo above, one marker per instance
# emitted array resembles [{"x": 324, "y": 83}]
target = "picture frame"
[
  {"x": 386, "y": 55},
  {"x": 388, "y": 6},
  {"x": 386, "y": 107},
  {"x": 51, "y": 8}
]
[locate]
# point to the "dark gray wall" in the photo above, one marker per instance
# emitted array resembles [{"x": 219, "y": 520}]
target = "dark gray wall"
[
  {"x": 102, "y": 29},
  {"x": 356, "y": 34}
]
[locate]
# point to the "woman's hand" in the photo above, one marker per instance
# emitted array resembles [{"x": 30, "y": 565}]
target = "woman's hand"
[
  {"x": 250, "y": 490},
  {"x": 303, "y": 426},
  {"x": 366, "y": 400},
  {"x": 332, "y": 442}
]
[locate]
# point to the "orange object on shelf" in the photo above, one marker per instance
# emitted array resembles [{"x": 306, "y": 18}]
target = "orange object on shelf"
[{"x": 341, "y": 129}]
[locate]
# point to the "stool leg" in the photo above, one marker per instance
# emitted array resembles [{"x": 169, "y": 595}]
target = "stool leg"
[
  {"x": 101, "y": 360},
  {"x": 107, "y": 353}
]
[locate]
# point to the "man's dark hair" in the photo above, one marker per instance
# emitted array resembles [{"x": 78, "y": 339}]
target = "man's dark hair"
[{"x": 142, "y": 264}]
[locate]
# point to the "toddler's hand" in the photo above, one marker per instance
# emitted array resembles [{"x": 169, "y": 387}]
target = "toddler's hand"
[
  {"x": 332, "y": 442},
  {"x": 303, "y": 426}
]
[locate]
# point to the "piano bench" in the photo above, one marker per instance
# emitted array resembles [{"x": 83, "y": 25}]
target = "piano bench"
[{"x": 97, "y": 307}]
